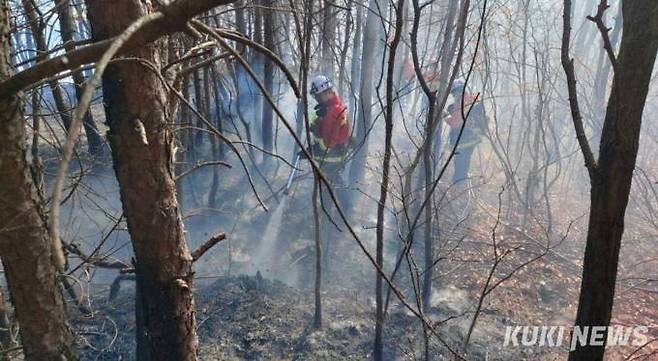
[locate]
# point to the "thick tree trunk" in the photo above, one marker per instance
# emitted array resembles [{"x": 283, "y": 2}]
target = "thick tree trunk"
[
  {"x": 142, "y": 149},
  {"x": 612, "y": 177},
  {"x": 25, "y": 247}
]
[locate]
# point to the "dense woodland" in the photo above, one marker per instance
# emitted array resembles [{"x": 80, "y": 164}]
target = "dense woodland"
[{"x": 164, "y": 195}]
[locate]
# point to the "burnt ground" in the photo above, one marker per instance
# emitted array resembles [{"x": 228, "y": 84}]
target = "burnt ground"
[
  {"x": 257, "y": 318},
  {"x": 251, "y": 318}
]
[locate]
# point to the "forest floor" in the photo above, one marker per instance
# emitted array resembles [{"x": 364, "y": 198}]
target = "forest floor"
[
  {"x": 250, "y": 318},
  {"x": 243, "y": 315},
  {"x": 253, "y": 317}
]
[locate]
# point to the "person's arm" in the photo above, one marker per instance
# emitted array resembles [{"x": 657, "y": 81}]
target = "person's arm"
[
  {"x": 480, "y": 121},
  {"x": 315, "y": 124}
]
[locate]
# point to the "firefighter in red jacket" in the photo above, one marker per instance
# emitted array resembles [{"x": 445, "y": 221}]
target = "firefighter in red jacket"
[{"x": 331, "y": 129}]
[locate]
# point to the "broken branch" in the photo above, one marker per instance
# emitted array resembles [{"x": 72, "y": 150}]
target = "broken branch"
[{"x": 207, "y": 245}]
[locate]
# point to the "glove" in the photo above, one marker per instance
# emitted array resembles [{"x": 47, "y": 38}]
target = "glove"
[
  {"x": 308, "y": 150},
  {"x": 314, "y": 129},
  {"x": 320, "y": 110},
  {"x": 301, "y": 154}
]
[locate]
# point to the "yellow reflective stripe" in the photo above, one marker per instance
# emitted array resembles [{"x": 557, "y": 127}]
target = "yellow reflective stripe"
[
  {"x": 463, "y": 145},
  {"x": 334, "y": 159}
]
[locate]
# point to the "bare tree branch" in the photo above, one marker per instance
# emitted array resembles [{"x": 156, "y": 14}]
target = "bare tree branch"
[
  {"x": 604, "y": 30},
  {"x": 207, "y": 246},
  {"x": 171, "y": 19},
  {"x": 567, "y": 64},
  {"x": 202, "y": 165}
]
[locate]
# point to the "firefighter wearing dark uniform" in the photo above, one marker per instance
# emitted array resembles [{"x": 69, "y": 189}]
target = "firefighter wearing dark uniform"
[{"x": 472, "y": 133}]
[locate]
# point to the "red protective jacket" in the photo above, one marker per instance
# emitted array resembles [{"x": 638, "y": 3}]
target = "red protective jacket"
[
  {"x": 333, "y": 128},
  {"x": 455, "y": 119}
]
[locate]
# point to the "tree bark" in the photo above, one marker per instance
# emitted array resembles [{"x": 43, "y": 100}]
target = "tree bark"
[
  {"x": 378, "y": 351},
  {"x": 6, "y": 337},
  {"x": 328, "y": 39},
  {"x": 67, "y": 26},
  {"x": 612, "y": 176},
  {"x": 267, "y": 117},
  {"x": 141, "y": 139},
  {"x": 355, "y": 66},
  {"x": 366, "y": 87},
  {"x": 37, "y": 27},
  {"x": 25, "y": 247}
]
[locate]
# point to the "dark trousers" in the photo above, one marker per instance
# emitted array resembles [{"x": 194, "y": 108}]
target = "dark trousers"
[
  {"x": 462, "y": 162},
  {"x": 331, "y": 223}
]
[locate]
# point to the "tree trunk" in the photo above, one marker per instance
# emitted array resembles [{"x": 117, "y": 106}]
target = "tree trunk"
[
  {"x": 67, "y": 26},
  {"x": 611, "y": 180},
  {"x": 136, "y": 104},
  {"x": 240, "y": 23},
  {"x": 268, "y": 75},
  {"x": 364, "y": 113},
  {"x": 378, "y": 351},
  {"x": 6, "y": 338},
  {"x": 37, "y": 27},
  {"x": 26, "y": 248},
  {"x": 328, "y": 39},
  {"x": 342, "y": 65},
  {"x": 355, "y": 66},
  {"x": 214, "y": 142}
]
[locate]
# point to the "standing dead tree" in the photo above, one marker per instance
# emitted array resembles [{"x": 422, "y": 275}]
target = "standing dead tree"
[{"x": 611, "y": 174}]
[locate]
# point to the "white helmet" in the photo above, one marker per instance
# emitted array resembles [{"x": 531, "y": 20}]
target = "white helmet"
[{"x": 319, "y": 84}]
